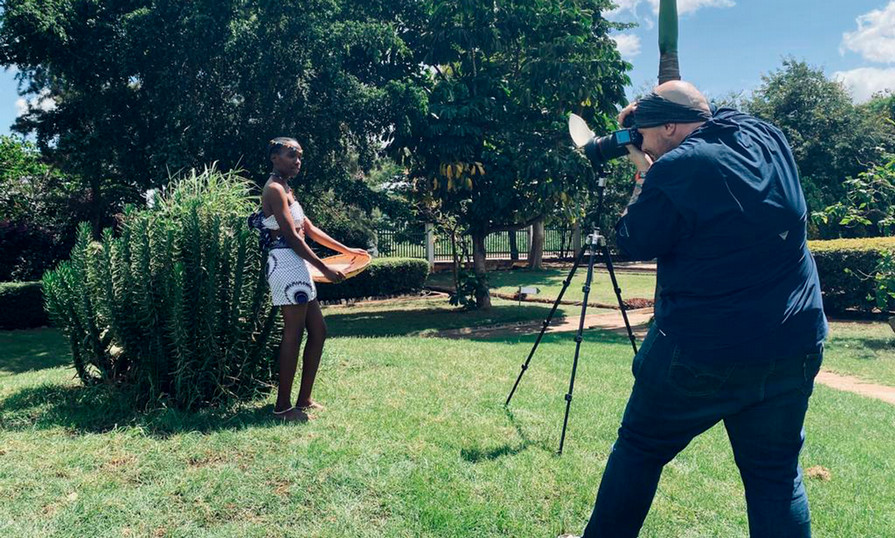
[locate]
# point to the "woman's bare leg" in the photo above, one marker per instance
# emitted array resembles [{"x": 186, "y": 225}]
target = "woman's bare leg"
[
  {"x": 294, "y": 325},
  {"x": 311, "y": 359}
]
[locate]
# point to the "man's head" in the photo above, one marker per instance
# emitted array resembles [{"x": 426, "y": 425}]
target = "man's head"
[{"x": 664, "y": 133}]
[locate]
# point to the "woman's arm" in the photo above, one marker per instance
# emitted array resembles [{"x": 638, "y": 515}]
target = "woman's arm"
[
  {"x": 277, "y": 199},
  {"x": 321, "y": 237}
]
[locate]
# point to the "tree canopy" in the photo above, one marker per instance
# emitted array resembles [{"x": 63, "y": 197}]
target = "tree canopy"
[
  {"x": 492, "y": 147},
  {"x": 832, "y": 139}
]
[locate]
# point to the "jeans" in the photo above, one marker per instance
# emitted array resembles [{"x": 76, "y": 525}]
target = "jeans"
[{"x": 677, "y": 397}]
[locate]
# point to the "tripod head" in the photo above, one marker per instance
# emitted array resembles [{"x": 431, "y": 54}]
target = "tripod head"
[{"x": 592, "y": 219}]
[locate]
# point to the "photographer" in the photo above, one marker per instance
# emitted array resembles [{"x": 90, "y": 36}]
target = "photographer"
[{"x": 739, "y": 323}]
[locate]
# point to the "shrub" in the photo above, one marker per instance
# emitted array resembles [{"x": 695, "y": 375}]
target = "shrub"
[
  {"x": 176, "y": 307},
  {"x": 885, "y": 282},
  {"x": 22, "y": 305},
  {"x": 384, "y": 276},
  {"x": 847, "y": 269}
]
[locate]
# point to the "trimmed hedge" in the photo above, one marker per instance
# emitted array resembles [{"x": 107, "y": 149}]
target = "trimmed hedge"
[
  {"x": 384, "y": 277},
  {"x": 22, "y": 305},
  {"x": 849, "y": 290}
]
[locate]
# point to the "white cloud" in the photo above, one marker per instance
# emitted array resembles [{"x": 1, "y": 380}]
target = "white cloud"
[
  {"x": 42, "y": 101},
  {"x": 875, "y": 37},
  {"x": 865, "y": 81},
  {"x": 628, "y": 44}
]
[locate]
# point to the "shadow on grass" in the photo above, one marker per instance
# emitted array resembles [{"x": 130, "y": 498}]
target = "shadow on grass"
[
  {"x": 426, "y": 321},
  {"x": 866, "y": 343},
  {"x": 476, "y": 454},
  {"x": 84, "y": 410},
  {"x": 589, "y": 337},
  {"x": 31, "y": 350}
]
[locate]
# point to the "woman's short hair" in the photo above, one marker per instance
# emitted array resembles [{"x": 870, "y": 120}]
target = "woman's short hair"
[{"x": 277, "y": 144}]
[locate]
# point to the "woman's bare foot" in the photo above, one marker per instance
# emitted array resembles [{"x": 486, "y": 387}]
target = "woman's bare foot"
[
  {"x": 292, "y": 415},
  {"x": 311, "y": 405}
]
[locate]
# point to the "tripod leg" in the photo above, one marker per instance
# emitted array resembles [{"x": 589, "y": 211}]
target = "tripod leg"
[
  {"x": 578, "y": 339},
  {"x": 618, "y": 295},
  {"x": 546, "y": 323}
]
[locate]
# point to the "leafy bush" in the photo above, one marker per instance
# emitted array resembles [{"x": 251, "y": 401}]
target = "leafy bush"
[
  {"x": 22, "y": 305},
  {"x": 847, "y": 269},
  {"x": 885, "y": 282},
  {"x": 384, "y": 276},
  {"x": 468, "y": 285},
  {"x": 349, "y": 224},
  {"x": 176, "y": 307},
  {"x": 39, "y": 211},
  {"x": 868, "y": 208}
]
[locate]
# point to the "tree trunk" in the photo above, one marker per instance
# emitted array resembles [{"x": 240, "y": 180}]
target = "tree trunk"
[
  {"x": 514, "y": 248},
  {"x": 669, "y": 67},
  {"x": 482, "y": 296},
  {"x": 536, "y": 249}
]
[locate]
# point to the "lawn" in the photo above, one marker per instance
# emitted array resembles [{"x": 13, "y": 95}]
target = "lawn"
[
  {"x": 863, "y": 349},
  {"x": 415, "y": 442},
  {"x": 425, "y": 317},
  {"x": 632, "y": 284}
]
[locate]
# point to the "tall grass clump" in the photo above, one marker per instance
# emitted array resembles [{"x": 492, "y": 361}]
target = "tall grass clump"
[{"x": 175, "y": 306}]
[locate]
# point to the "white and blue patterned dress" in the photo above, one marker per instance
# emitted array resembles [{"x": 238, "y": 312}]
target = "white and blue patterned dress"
[{"x": 288, "y": 274}]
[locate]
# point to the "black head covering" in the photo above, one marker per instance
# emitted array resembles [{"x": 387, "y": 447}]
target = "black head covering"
[{"x": 654, "y": 110}]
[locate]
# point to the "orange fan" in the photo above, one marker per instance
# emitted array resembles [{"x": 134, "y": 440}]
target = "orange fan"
[{"x": 350, "y": 264}]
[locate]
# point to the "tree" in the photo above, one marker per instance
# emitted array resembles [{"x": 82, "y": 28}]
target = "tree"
[
  {"x": 868, "y": 207},
  {"x": 491, "y": 145},
  {"x": 39, "y": 211},
  {"x": 144, "y": 88},
  {"x": 831, "y": 138}
]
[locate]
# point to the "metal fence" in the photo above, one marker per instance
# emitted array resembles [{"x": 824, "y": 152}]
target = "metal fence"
[{"x": 412, "y": 242}]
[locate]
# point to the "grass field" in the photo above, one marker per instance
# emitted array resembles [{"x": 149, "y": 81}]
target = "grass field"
[
  {"x": 549, "y": 281},
  {"x": 415, "y": 442}
]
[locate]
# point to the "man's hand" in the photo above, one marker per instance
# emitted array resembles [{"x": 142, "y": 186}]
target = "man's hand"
[{"x": 640, "y": 159}]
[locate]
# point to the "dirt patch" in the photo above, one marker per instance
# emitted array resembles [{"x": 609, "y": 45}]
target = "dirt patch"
[
  {"x": 818, "y": 473},
  {"x": 857, "y": 386},
  {"x": 611, "y": 321}
]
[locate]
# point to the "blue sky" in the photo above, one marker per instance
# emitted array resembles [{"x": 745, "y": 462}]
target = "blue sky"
[{"x": 727, "y": 45}]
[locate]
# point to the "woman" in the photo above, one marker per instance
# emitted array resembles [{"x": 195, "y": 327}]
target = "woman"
[{"x": 284, "y": 227}]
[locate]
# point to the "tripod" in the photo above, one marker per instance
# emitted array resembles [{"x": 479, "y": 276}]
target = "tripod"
[{"x": 595, "y": 241}]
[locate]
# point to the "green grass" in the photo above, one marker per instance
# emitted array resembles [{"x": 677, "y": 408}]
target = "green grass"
[
  {"x": 415, "y": 442},
  {"x": 425, "y": 317},
  {"x": 862, "y": 349},
  {"x": 633, "y": 285}
]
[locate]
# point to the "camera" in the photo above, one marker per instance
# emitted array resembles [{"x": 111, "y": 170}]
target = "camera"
[{"x": 605, "y": 148}]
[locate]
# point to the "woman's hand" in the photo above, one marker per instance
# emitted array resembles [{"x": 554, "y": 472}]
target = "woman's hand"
[
  {"x": 358, "y": 251},
  {"x": 333, "y": 275}
]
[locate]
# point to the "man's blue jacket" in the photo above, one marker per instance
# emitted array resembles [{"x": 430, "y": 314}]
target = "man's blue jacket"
[{"x": 725, "y": 216}]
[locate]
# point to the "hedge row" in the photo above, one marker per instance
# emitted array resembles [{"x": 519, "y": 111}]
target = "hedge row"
[
  {"x": 384, "y": 277},
  {"x": 847, "y": 268},
  {"x": 22, "y": 305}
]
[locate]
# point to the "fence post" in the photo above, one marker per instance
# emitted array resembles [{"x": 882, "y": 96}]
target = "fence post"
[
  {"x": 430, "y": 244},
  {"x": 576, "y": 238}
]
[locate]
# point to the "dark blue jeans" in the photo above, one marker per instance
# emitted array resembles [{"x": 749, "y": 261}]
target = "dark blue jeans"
[{"x": 677, "y": 397}]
